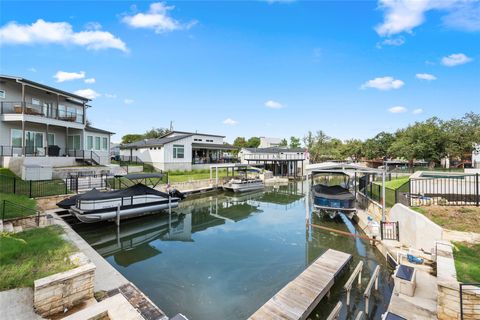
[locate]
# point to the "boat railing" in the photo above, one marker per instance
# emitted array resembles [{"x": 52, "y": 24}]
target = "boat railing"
[{"x": 115, "y": 202}]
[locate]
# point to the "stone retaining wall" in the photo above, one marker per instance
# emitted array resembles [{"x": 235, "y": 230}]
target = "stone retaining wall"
[
  {"x": 448, "y": 303},
  {"x": 63, "y": 290}
]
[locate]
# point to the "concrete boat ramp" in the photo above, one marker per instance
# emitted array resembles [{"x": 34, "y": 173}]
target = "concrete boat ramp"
[{"x": 299, "y": 297}]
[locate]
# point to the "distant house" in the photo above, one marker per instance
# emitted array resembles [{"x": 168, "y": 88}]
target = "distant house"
[
  {"x": 266, "y": 142},
  {"x": 45, "y": 125},
  {"x": 289, "y": 162},
  {"x": 179, "y": 150}
]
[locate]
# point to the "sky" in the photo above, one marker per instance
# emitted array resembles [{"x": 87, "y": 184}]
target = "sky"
[{"x": 252, "y": 68}]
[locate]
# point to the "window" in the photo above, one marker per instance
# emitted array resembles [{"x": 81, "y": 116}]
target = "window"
[
  {"x": 35, "y": 101},
  {"x": 79, "y": 115},
  {"x": 2, "y": 94},
  {"x": 97, "y": 143},
  {"x": 74, "y": 142},
  {"x": 198, "y": 140},
  {"x": 72, "y": 112},
  {"x": 89, "y": 142},
  {"x": 178, "y": 151},
  {"x": 104, "y": 143},
  {"x": 16, "y": 138},
  {"x": 51, "y": 139},
  {"x": 209, "y": 140},
  {"x": 62, "y": 111}
]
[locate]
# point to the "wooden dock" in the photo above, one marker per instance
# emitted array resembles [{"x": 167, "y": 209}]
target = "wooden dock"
[{"x": 299, "y": 297}]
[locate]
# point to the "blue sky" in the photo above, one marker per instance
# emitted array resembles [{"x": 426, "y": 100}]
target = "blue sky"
[{"x": 252, "y": 68}]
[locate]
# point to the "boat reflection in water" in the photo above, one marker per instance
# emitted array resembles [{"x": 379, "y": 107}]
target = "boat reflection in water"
[{"x": 222, "y": 255}]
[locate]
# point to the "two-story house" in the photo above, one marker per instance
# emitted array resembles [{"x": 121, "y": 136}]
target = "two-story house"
[
  {"x": 44, "y": 125},
  {"x": 179, "y": 150}
]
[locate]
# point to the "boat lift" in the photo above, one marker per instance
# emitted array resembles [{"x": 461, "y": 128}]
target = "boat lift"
[
  {"x": 228, "y": 166},
  {"x": 350, "y": 169}
]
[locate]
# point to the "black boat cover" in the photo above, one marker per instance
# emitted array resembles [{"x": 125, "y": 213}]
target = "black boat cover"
[
  {"x": 332, "y": 192},
  {"x": 94, "y": 194}
]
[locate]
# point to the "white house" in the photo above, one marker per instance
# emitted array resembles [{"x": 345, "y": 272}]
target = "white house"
[
  {"x": 266, "y": 142},
  {"x": 289, "y": 162},
  {"x": 179, "y": 150},
  {"x": 44, "y": 125}
]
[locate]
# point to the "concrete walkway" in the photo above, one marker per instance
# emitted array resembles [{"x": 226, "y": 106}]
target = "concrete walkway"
[
  {"x": 106, "y": 277},
  {"x": 17, "y": 304}
]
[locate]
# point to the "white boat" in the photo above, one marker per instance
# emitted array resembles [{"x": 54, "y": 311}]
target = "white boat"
[
  {"x": 243, "y": 185},
  {"x": 137, "y": 200}
]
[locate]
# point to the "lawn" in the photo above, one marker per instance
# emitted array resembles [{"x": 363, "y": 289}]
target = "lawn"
[
  {"x": 390, "y": 189},
  {"x": 394, "y": 184},
  {"x": 33, "y": 254},
  {"x": 467, "y": 262},
  {"x": 465, "y": 219},
  {"x": 16, "y": 206},
  {"x": 181, "y": 176},
  {"x": 9, "y": 183}
]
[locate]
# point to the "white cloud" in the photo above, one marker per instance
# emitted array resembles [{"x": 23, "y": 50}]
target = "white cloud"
[
  {"x": 383, "y": 83},
  {"x": 396, "y": 42},
  {"x": 230, "y": 122},
  {"x": 157, "y": 18},
  {"x": 425, "y": 76},
  {"x": 90, "y": 80},
  {"x": 417, "y": 111},
  {"x": 43, "y": 32},
  {"x": 63, "y": 76},
  {"x": 397, "y": 109},
  {"x": 110, "y": 96},
  {"x": 405, "y": 15},
  {"x": 88, "y": 93},
  {"x": 455, "y": 59},
  {"x": 128, "y": 101},
  {"x": 273, "y": 104},
  {"x": 32, "y": 69}
]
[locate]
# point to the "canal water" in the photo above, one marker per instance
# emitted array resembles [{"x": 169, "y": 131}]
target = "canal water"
[{"x": 223, "y": 255}]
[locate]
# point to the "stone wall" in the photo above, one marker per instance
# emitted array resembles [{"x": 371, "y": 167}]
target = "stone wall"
[
  {"x": 63, "y": 290},
  {"x": 49, "y": 203},
  {"x": 448, "y": 303}
]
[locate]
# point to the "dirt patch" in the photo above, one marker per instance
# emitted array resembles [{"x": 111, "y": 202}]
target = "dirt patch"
[{"x": 465, "y": 219}]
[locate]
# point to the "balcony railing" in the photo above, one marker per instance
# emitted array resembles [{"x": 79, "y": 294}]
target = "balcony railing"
[
  {"x": 19, "y": 107},
  {"x": 274, "y": 156},
  {"x": 215, "y": 161},
  {"x": 29, "y": 151}
]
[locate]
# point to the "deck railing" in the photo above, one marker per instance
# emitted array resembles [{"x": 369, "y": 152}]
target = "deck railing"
[{"x": 21, "y": 107}]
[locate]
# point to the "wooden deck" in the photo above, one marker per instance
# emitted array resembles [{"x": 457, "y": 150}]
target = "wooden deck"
[{"x": 299, "y": 297}]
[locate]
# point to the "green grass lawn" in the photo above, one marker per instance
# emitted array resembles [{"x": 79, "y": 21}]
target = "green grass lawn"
[
  {"x": 16, "y": 205},
  {"x": 38, "y": 188},
  {"x": 394, "y": 184},
  {"x": 30, "y": 255},
  {"x": 390, "y": 189},
  {"x": 181, "y": 176},
  {"x": 467, "y": 262}
]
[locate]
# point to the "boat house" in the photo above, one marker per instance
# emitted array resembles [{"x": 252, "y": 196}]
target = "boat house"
[
  {"x": 180, "y": 150},
  {"x": 286, "y": 162}
]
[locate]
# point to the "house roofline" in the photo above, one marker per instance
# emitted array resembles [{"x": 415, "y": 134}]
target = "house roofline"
[{"x": 42, "y": 86}]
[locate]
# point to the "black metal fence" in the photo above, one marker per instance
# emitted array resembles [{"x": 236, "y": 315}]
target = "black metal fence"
[
  {"x": 10, "y": 210},
  {"x": 469, "y": 301},
  {"x": 373, "y": 190},
  {"x": 453, "y": 190}
]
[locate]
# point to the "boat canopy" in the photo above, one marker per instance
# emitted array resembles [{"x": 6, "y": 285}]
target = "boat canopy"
[
  {"x": 335, "y": 192},
  {"x": 94, "y": 194}
]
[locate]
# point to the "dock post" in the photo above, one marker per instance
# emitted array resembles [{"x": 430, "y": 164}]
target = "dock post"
[
  {"x": 118, "y": 216},
  {"x": 169, "y": 204}
]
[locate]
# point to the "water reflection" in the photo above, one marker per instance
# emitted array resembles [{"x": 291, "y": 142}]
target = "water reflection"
[{"x": 221, "y": 256}]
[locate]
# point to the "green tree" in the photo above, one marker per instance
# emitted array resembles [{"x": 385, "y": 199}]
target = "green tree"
[
  {"x": 461, "y": 135},
  {"x": 294, "y": 142},
  {"x": 309, "y": 140},
  {"x": 253, "y": 142},
  {"x": 129, "y": 138},
  {"x": 155, "y": 133},
  {"x": 352, "y": 149},
  {"x": 240, "y": 142},
  {"x": 378, "y": 146},
  {"x": 283, "y": 143},
  {"x": 422, "y": 140}
]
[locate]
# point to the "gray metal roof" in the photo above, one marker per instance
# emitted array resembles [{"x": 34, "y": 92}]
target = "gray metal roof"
[
  {"x": 192, "y": 133},
  {"x": 33, "y": 83},
  {"x": 215, "y": 146},
  {"x": 157, "y": 142},
  {"x": 93, "y": 129},
  {"x": 274, "y": 150}
]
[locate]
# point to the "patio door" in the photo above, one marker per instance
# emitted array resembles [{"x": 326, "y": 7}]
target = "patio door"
[
  {"x": 74, "y": 142},
  {"x": 34, "y": 143}
]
